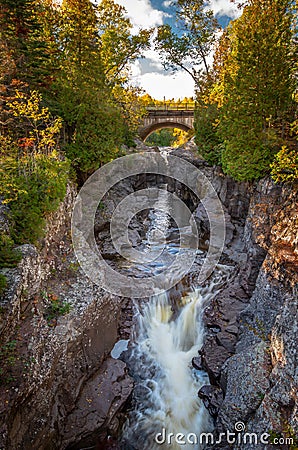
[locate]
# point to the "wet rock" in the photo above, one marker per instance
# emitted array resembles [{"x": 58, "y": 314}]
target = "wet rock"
[
  {"x": 99, "y": 401},
  {"x": 233, "y": 329},
  {"x": 203, "y": 224},
  {"x": 197, "y": 362},
  {"x": 190, "y": 153},
  {"x": 106, "y": 246},
  {"x": 221, "y": 318},
  {"x": 212, "y": 397},
  {"x": 213, "y": 327},
  {"x": 244, "y": 394},
  {"x": 134, "y": 237},
  {"x": 227, "y": 340},
  {"x": 213, "y": 358}
]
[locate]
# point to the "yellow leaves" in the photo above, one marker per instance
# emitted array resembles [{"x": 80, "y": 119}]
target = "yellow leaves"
[
  {"x": 131, "y": 105},
  {"x": 43, "y": 130},
  {"x": 181, "y": 137},
  {"x": 28, "y": 106},
  {"x": 34, "y": 151},
  {"x": 147, "y": 100},
  {"x": 285, "y": 166}
]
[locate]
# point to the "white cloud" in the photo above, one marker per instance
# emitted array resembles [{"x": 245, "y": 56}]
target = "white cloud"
[
  {"x": 155, "y": 82},
  {"x": 160, "y": 85},
  {"x": 135, "y": 71},
  {"x": 154, "y": 58},
  {"x": 225, "y": 7},
  {"x": 141, "y": 13}
]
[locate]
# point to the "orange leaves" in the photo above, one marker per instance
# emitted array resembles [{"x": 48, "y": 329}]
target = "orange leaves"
[{"x": 26, "y": 143}]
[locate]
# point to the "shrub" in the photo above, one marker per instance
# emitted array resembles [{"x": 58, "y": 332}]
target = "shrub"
[
  {"x": 39, "y": 194},
  {"x": 207, "y": 139},
  {"x": 57, "y": 307},
  {"x": 243, "y": 164},
  {"x": 3, "y": 283},
  {"x": 285, "y": 166},
  {"x": 9, "y": 257},
  {"x": 33, "y": 176},
  {"x": 98, "y": 136},
  {"x": 161, "y": 138}
]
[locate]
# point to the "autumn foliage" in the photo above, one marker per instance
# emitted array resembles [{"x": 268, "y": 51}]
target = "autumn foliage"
[{"x": 249, "y": 106}]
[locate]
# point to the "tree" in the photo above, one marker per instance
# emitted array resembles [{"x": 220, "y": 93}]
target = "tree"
[
  {"x": 162, "y": 138},
  {"x": 100, "y": 109},
  {"x": 119, "y": 48},
  {"x": 190, "y": 46},
  {"x": 255, "y": 87},
  {"x": 207, "y": 139},
  {"x": 33, "y": 173},
  {"x": 24, "y": 49},
  {"x": 94, "y": 128},
  {"x": 78, "y": 35}
]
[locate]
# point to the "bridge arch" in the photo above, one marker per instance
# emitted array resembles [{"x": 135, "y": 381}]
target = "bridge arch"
[
  {"x": 166, "y": 116},
  {"x": 146, "y": 131}
]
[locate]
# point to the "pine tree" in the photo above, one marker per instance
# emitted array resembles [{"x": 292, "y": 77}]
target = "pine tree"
[
  {"x": 255, "y": 87},
  {"x": 24, "y": 50},
  {"x": 93, "y": 126}
]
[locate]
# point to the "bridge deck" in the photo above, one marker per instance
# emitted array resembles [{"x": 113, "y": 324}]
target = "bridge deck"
[
  {"x": 170, "y": 113},
  {"x": 172, "y": 107}
]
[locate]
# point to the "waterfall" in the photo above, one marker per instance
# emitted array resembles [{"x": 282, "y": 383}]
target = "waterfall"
[
  {"x": 166, "y": 389},
  {"x": 163, "y": 343}
]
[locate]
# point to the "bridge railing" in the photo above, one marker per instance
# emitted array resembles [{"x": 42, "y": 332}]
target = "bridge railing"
[{"x": 171, "y": 107}]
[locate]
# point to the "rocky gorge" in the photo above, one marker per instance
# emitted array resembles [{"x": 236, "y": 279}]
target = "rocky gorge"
[{"x": 62, "y": 389}]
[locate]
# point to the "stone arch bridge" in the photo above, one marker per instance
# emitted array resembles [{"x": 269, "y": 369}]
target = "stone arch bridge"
[{"x": 167, "y": 116}]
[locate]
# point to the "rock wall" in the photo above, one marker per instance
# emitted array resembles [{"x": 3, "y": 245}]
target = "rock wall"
[
  {"x": 52, "y": 364},
  {"x": 62, "y": 390},
  {"x": 251, "y": 351}
]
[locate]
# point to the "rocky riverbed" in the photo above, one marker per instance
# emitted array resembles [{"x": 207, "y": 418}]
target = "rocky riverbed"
[{"x": 60, "y": 386}]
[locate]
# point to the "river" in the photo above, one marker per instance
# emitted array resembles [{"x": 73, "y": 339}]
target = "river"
[{"x": 166, "y": 411}]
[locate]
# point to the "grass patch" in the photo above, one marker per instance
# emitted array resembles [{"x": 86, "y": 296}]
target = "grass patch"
[{"x": 57, "y": 307}]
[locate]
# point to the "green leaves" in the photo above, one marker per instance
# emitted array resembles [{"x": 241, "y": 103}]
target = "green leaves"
[
  {"x": 255, "y": 87},
  {"x": 98, "y": 135},
  {"x": 188, "y": 48},
  {"x": 207, "y": 139},
  {"x": 119, "y": 47},
  {"x": 284, "y": 168},
  {"x": 98, "y": 107},
  {"x": 25, "y": 49},
  {"x": 33, "y": 175}
]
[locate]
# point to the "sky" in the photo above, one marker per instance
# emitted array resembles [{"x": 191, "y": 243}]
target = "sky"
[{"x": 148, "y": 72}]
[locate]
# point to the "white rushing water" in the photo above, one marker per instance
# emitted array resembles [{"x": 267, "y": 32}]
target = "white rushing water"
[
  {"x": 165, "y": 398},
  {"x": 166, "y": 393}
]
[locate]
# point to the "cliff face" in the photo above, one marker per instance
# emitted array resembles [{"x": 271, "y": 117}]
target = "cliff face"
[
  {"x": 261, "y": 380},
  {"x": 54, "y": 360},
  {"x": 61, "y": 390},
  {"x": 258, "y": 384}
]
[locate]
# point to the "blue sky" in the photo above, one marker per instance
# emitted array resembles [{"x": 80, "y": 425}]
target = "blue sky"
[{"x": 148, "y": 72}]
